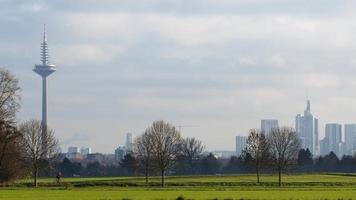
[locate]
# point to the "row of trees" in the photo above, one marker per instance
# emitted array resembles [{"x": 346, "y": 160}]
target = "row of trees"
[
  {"x": 24, "y": 148},
  {"x": 161, "y": 145},
  {"x": 279, "y": 150}
]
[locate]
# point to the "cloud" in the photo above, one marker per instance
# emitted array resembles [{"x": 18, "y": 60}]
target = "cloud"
[{"x": 222, "y": 64}]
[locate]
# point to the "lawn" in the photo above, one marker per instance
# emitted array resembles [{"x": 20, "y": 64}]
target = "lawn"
[{"x": 313, "y": 186}]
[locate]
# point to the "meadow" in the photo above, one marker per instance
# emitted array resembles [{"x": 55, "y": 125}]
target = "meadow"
[{"x": 301, "y": 186}]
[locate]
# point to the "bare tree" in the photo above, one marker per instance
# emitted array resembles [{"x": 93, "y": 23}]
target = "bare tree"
[
  {"x": 284, "y": 147},
  {"x": 143, "y": 148},
  {"x": 257, "y": 147},
  {"x": 9, "y": 96},
  {"x": 192, "y": 149},
  {"x": 11, "y": 159},
  {"x": 38, "y": 147},
  {"x": 166, "y": 142},
  {"x": 10, "y": 156}
]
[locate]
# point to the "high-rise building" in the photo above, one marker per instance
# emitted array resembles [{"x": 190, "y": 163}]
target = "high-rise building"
[
  {"x": 267, "y": 125},
  {"x": 44, "y": 70},
  {"x": 128, "y": 142},
  {"x": 350, "y": 138},
  {"x": 324, "y": 146},
  {"x": 85, "y": 151},
  {"x": 333, "y": 134},
  {"x": 120, "y": 153},
  {"x": 73, "y": 150},
  {"x": 73, "y": 153},
  {"x": 307, "y": 129},
  {"x": 240, "y": 144}
]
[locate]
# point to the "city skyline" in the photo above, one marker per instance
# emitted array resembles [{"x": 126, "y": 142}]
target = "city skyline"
[{"x": 124, "y": 65}]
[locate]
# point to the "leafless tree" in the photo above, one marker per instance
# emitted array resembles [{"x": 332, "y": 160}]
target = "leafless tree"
[
  {"x": 192, "y": 149},
  {"x": 257, "y": 147},
  {"x": 10, "y": 156},
  {"x": 9, "y": 95},
  {"x": 143, "y": 149},
  {"x": 166, "y": 141},
  {"x": 284, "y": 147},
  {"x": 38, "y": 147}
]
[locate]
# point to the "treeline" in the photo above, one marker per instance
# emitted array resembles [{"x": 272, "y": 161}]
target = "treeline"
[
  {"x": 205, "y": 165},
  {"x": 279, "y": 152}
]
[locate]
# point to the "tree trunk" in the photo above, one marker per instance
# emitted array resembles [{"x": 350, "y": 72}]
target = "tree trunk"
[
  {"x": 279, "y": 177},
  {"x": 35, "y": 174},
  {"x": 258, "y": 174},
  {"x": 146, "y": 173},
  {"x": 257, "y": 171},
  {"x": 162, "y": 178}
]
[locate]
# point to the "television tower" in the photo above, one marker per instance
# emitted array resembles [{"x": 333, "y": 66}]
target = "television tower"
[{"x": 44, "y": 70}]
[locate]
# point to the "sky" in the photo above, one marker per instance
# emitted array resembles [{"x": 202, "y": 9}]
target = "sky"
[{"x": 214, "y": 67}]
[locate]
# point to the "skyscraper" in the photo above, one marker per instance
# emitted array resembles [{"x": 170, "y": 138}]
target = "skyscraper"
[
  {"x": 333, "y": 135},
  {"x": 44, "y": 69},
  {"x": 350, "y": 138},
  {"x": 128, "y": 145},
  {"x": 85, "y": 150},
  {"x": 267, "y": 125},
  {"x": 307, "y": 129},
  {"x": 240, "y": 144},
  {"x": 120, "y": 153}
]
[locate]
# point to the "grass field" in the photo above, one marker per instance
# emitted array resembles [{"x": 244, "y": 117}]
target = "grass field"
[{"x": 313, "y": 186}]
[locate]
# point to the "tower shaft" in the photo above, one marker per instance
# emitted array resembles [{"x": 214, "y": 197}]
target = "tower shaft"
[{"x": 44, "y": 105}]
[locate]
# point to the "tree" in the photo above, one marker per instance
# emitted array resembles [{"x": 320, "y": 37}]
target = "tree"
[
  {"x": 247, "y": 164},
  {"x": 305, "y": 160},
  {"x": 129, "y": 164},
  {"x": 192, "y": 150},
  {"x": 257, "y": 147},
  {"x": 166, "y": 142},
  {"x": 37, "y": 146},
  {"x": 68, "y": 168},
  {"x": 143, "y": 149},
  {"x": 330, "y": 162},
  {"x": 284, "y": 147},
  {"x": 233, "y": 165},
  {"x": 94, "y": 169},
  {"x": 346, "y": 164},
  {"x": 11, "y": 165},
  {"x": 9, "y": 96},
  {"x": 11, "y": 162},
  {"x": 210, "y": 164}
]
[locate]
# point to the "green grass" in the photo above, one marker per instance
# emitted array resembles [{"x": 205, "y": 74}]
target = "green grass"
[{"x": 309, "y": 187}]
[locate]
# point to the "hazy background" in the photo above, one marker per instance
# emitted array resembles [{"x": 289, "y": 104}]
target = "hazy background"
[{"x": 220, "y": 65}]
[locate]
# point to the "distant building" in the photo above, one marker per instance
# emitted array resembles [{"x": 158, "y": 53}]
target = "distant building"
[
  {"x": 307, "y": 129},
  {"x": 324, "y": 146},
  {"x": 223, "y": 154},
  {"x": 267, "y": 125},
  {"x": 73, "y": 154},
  {"x": 85, "y": 151},
  {"x": 73, "y": 150},
  {"x": 120, "y": 153},
  {"x": 350, "y": 138},
  {"x": 333, "y": 135},
  {"x": 128, "y": 142},
  {"x": 240, "y": 144}
]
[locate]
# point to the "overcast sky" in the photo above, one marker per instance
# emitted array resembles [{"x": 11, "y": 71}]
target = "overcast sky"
[{"x": 219, "y": 66}]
